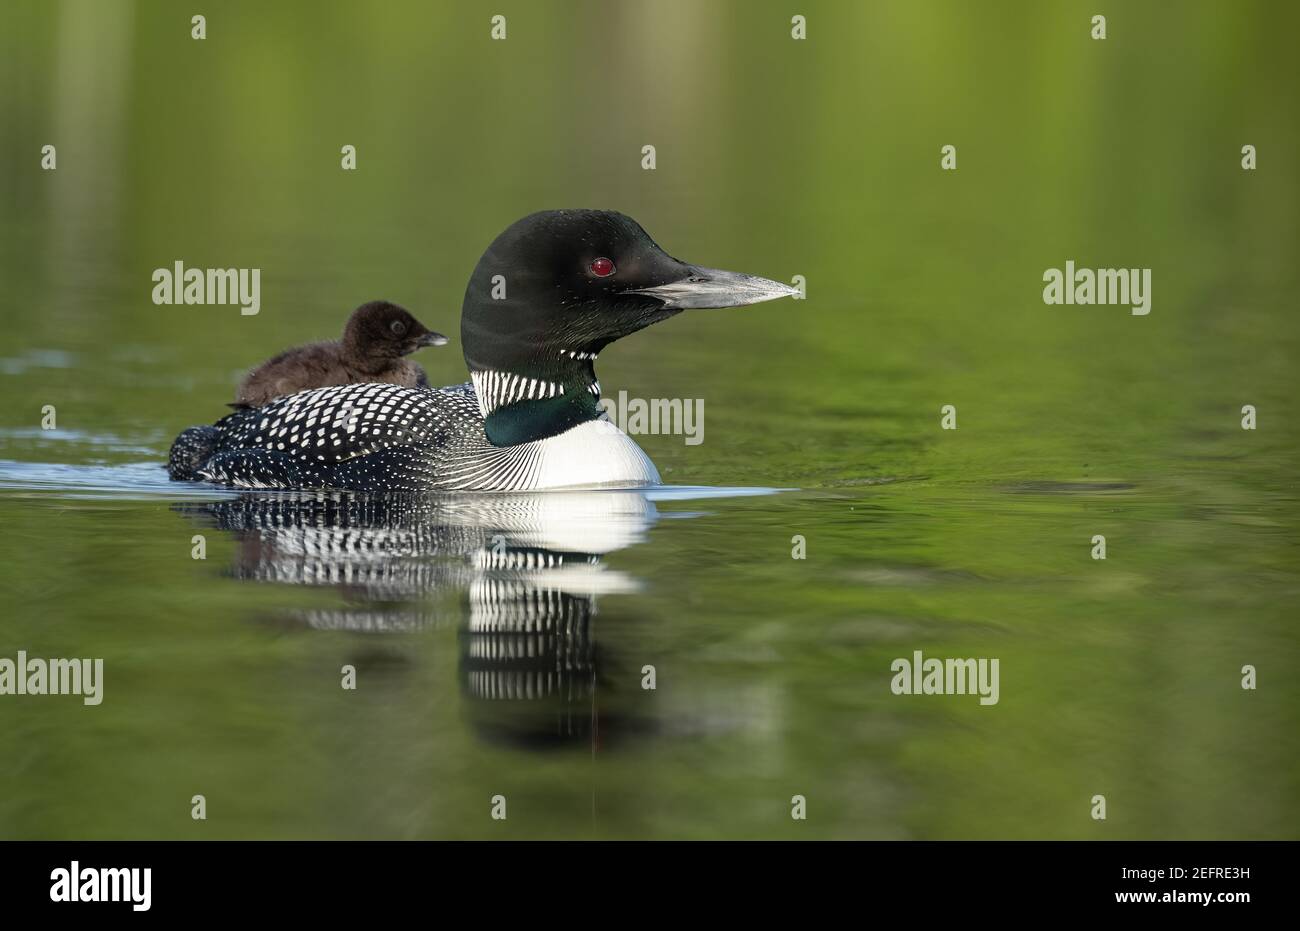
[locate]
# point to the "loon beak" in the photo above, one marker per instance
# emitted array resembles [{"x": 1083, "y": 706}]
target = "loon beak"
[
  {"x": 712, "y": 287},
  {"x": 432, "y": 339}
]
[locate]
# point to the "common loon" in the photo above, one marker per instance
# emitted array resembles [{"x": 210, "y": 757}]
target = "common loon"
[
  {"x": 375, "y": 341},
  {"x": 545, "y": 298}
]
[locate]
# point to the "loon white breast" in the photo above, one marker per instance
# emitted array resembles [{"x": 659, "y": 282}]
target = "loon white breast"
[{"x": 546, "y": 297}]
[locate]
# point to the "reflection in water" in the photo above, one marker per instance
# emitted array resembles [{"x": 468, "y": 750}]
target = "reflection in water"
[{"x": 527, "y": 570}]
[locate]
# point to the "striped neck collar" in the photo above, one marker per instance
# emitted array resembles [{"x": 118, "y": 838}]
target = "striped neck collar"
[
  {"x": 570, "y": 372},
  {"x": 496, "y": 390},
  {"x": 517, "y": 408}
]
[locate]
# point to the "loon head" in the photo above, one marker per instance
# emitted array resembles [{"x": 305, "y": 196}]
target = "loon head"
[
  {"x": 381, "y": 331},
  {"x": 555, "y": 289}
]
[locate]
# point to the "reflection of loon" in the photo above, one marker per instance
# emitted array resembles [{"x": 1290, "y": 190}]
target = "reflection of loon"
[
  {"x": 530, "y": 565},
  {"x": 549, "y": 294}
]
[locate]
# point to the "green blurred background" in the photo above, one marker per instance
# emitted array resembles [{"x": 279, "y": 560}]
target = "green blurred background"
[{"x": 775, "y": 157}]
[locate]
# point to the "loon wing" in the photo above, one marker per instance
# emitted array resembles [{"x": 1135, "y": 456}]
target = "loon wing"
[{"x": 359, "y": 435}]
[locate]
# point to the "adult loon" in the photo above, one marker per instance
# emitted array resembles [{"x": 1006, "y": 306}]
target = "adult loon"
[
  {"x": 546, "y": 297},
  {"x": 376, "y": 340}
]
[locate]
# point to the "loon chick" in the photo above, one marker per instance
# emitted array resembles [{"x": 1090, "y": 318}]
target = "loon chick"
[
  {"x": 377, "y": 337},
  {"x": 546, "y": 297}
]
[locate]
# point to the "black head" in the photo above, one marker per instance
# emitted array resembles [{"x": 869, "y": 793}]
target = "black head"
[
  {"x": 558, "y": 286},
  {"x": 383, "y": 331}
]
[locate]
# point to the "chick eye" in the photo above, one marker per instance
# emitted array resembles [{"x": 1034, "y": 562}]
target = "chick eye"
[
  {"x": 602, "y": 267},
  {"x": 398, "y": 327}
]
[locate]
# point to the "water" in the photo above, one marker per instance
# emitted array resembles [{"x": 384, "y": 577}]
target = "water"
[{"x": 499, "y": 642}]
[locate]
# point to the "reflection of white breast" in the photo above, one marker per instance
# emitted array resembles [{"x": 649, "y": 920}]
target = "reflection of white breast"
[
  {"x": 595, "y": 521},
  {"x": 592, "y": 453}
]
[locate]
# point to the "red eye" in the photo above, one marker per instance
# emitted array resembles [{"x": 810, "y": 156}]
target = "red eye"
[{"x": 602, "y": 267}]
